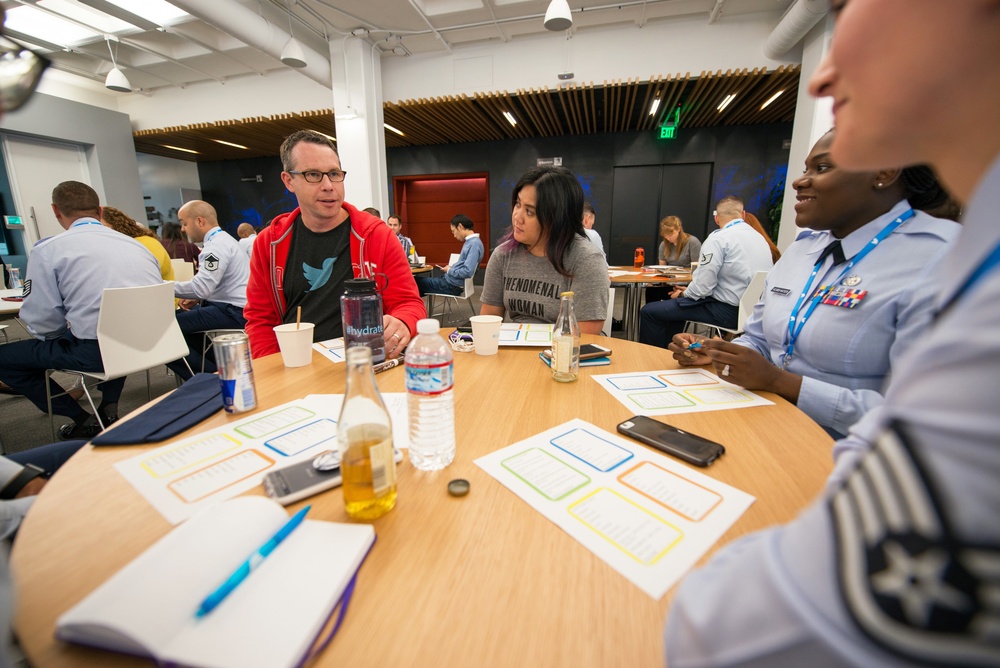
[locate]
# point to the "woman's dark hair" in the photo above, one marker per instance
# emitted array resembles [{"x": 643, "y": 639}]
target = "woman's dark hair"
[
  {"x": 923, "y": 190},
  {"x": 172, "y": 232},
  {"x": 558, "y": 208}
]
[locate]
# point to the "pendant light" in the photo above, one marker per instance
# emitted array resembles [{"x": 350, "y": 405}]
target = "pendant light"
[
  {"x": 116, "y": 79},
  {"x": 557, "y": 16}
]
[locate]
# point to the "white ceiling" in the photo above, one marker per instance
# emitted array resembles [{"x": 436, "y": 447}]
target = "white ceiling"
[{"x": 157, "y": 53}]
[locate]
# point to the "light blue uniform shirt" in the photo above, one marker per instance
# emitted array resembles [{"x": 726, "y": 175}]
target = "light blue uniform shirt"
[
  {"x": 223, "y": 272},
  {"x": 794, "y": 595},
  {"x": 844, "y": 354},
  {"x": 729, "y": 259},
  {"x": 468, "y": 261},
  {"x": 68, "y": 274}
]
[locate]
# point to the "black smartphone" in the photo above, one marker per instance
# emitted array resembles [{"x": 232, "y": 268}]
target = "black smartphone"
[
  {"x": 671, "y": 440},
  {"x": 588, "y": 351}
]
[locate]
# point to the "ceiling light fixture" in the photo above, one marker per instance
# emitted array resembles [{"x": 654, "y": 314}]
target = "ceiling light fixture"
[
  {"x": 292, "y": 55},
  {"x": 229, "y": 143},
  {"x": 116, "y": 79},
  {"x": 510, "y": 118},
  {"x": 654, "y": 106},
  {"x": 725, "y": 103},
  {"x": 557, "y": 16},
  {"x": 178, "y": 148},
  {"x": 392, "y": 129},
  {"x": 771, "y": 99}
]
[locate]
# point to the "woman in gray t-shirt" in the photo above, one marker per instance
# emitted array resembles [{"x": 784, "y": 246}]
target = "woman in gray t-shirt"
[{"x": 545, "y": 253}]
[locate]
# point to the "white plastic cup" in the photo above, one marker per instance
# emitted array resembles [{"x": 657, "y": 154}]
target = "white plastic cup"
[
  {"x": 694, "y": 265},
  {"x": 295, "y": 344},
  {"x": 486, "y": 333},
  {"x": 422, "y": 260}
]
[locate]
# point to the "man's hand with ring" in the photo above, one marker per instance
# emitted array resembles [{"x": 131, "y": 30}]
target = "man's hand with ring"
[{"x": 396, "y": 335}]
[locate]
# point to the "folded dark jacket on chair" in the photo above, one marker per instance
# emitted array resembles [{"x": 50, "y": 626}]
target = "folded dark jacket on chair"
[{"x": 194, "y": 401}]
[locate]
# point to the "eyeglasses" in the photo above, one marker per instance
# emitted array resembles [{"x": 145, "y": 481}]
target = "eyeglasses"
[
  {"x": 316, "y": 176},
  {"x": 20, "y": 71}
]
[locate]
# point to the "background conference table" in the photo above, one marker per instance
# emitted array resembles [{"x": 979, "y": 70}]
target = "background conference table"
[
  {"x": 479, "y": 580},
  {"x": 635, "y": 281}
]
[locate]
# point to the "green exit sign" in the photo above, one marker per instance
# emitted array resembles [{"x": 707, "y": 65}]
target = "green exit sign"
[{"x": 668, "y": 132}]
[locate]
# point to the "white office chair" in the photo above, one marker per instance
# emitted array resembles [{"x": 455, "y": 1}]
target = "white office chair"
[
  {"x": 136, "y": 330},
  {"x": 466, "y": 294},
  {"x": 183, "y": 270},
  {"x": 749, "y": 299}
]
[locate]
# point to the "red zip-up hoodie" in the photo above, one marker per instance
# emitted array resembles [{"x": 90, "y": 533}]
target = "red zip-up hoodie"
[{"x": 375, "y": 253}]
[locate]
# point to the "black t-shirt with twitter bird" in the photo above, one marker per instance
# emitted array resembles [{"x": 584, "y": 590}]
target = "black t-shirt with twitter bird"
[{"x": 318, "y": 265}]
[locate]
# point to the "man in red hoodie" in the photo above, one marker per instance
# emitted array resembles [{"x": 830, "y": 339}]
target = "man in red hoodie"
[{"x": 303, "y": 258}]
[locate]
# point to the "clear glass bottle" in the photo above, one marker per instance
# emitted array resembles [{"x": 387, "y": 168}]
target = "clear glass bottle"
[
  {"x": 566, "y": 342},
  {"x": 430, "y": 381},
  {"x": 364, "y": 435}
]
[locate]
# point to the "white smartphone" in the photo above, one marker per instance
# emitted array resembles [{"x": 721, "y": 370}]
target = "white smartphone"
[{"x": 299, "y": 481}]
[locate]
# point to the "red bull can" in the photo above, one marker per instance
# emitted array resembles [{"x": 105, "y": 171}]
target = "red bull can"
[{"x": 232, "y": 357}]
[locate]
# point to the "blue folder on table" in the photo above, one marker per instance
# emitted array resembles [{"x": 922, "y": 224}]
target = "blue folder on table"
[{"x": 194, "y": 401}]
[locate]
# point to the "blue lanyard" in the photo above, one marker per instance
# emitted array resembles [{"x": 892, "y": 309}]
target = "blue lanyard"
[
  {"x": 989, "y": 263},
  {"x": 211, "y": 234},
  {"x": 794, "y": 324},
  {"x": 81, "y": 223}
]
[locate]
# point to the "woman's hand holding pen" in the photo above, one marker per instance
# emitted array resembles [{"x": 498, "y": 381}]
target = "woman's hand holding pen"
[
  {"x": 687, "y": 350},
  {"x": 746, "y": 367}
]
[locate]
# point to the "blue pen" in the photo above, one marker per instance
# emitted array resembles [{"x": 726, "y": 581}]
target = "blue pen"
[{"x": 255, "y": 560}]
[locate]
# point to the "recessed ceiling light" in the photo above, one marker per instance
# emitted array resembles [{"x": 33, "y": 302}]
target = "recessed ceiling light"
[
  {"x": 654, "y": 106},
  {"x": 725, "y": 102},
  {"x": 510, "y": 118},
  {"x": 392, "y": 129},
  {"x": 771, "y": 99},
  {"x": 229, "y": 143}
]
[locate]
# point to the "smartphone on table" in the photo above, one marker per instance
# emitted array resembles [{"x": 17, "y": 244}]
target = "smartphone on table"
[
  {"x": 588, "y": 351},
  {"x": 304, "y": 479},
  {"x": 671, "y": 440}
]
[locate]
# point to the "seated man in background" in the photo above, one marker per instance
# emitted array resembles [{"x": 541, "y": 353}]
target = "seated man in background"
[
  {"x": 729, "y": 259},
  {"x": 396, "y": 226},
  {"x": 221, "y": 284},
  {"x": 589, "y": 218},
  {"x": 453, "y": 281},
  {"x": 63, "y": 288},
  {"x": 247, "y": 234},
  {"x": 304, "y": 257}
]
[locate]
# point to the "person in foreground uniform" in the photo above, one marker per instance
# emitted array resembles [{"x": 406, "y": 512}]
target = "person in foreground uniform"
[{"x": 898, "y": 562}]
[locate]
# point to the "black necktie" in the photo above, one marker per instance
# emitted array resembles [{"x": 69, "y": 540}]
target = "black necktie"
[{"x": 834, "y": 249}]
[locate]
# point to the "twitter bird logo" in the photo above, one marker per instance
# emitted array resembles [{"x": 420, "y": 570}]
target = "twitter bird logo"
[{"x": 317, "y": 278}]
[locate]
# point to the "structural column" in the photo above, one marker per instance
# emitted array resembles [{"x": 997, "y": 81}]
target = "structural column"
[
  {"x": 357, "y": 103},
  {"x": 812, "y": 119}
]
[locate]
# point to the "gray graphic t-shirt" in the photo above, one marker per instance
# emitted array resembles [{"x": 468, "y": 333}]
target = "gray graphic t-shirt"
[{"x": 528, "y": 287}]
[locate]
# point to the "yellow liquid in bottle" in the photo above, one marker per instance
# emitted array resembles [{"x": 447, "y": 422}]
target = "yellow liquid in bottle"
[{"x": 369, "y": 472}]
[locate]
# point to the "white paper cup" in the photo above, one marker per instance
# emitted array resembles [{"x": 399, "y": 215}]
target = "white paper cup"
[
  {"x": 295, "y": 344},
  {"x": 486, "y": 333},
  {"x": 694, "y": 265},
  {"x": 421, "y": 260}
]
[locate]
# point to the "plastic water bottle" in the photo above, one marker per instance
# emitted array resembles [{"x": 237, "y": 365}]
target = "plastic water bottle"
[
  {"x": 430, "y": 380},
  {"x": 361, "y": 317},
  {"x": 15, "y": 278},
  {"x": 566, "y": 342}
]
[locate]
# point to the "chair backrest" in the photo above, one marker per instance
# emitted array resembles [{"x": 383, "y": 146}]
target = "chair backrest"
[
  {"x": 183, "y": 270},
  {"x": 750, "y": 298},
  {"x": 137, "y": 329},
  {"x": 606, "y": 330}
]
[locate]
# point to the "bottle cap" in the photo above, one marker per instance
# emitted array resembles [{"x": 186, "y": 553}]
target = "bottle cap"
[
  {"x": 568, "y": 293},
  {"x": 458, "y": 487},
  {"x": 356, "y": 286},
  {"x": 428, "y": 326}
]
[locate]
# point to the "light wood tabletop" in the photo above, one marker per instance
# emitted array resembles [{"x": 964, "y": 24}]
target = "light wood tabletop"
[{"x": 478, "y": 580}]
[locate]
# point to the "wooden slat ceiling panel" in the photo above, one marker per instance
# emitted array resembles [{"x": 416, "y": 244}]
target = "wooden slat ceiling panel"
[{"x": 570, "y": 109}]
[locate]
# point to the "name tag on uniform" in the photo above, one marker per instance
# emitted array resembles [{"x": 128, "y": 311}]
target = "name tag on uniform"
[
  {"x": 845, "y": 297},
  {"x": 780, "y": 291}
]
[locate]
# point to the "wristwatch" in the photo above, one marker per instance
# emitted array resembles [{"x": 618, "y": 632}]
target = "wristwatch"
[{"x": 27, "y": 474}]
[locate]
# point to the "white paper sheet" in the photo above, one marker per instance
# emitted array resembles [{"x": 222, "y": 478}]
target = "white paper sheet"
[
  {"x": 649, "y": 517},
  {"x": 332, "y": 349},
  {"x": 181, "y": 477},
  {"x": 673, "y": 391}
]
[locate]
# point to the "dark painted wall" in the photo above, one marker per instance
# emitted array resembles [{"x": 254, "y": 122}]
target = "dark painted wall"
[{"x": 748, "y": 161}]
